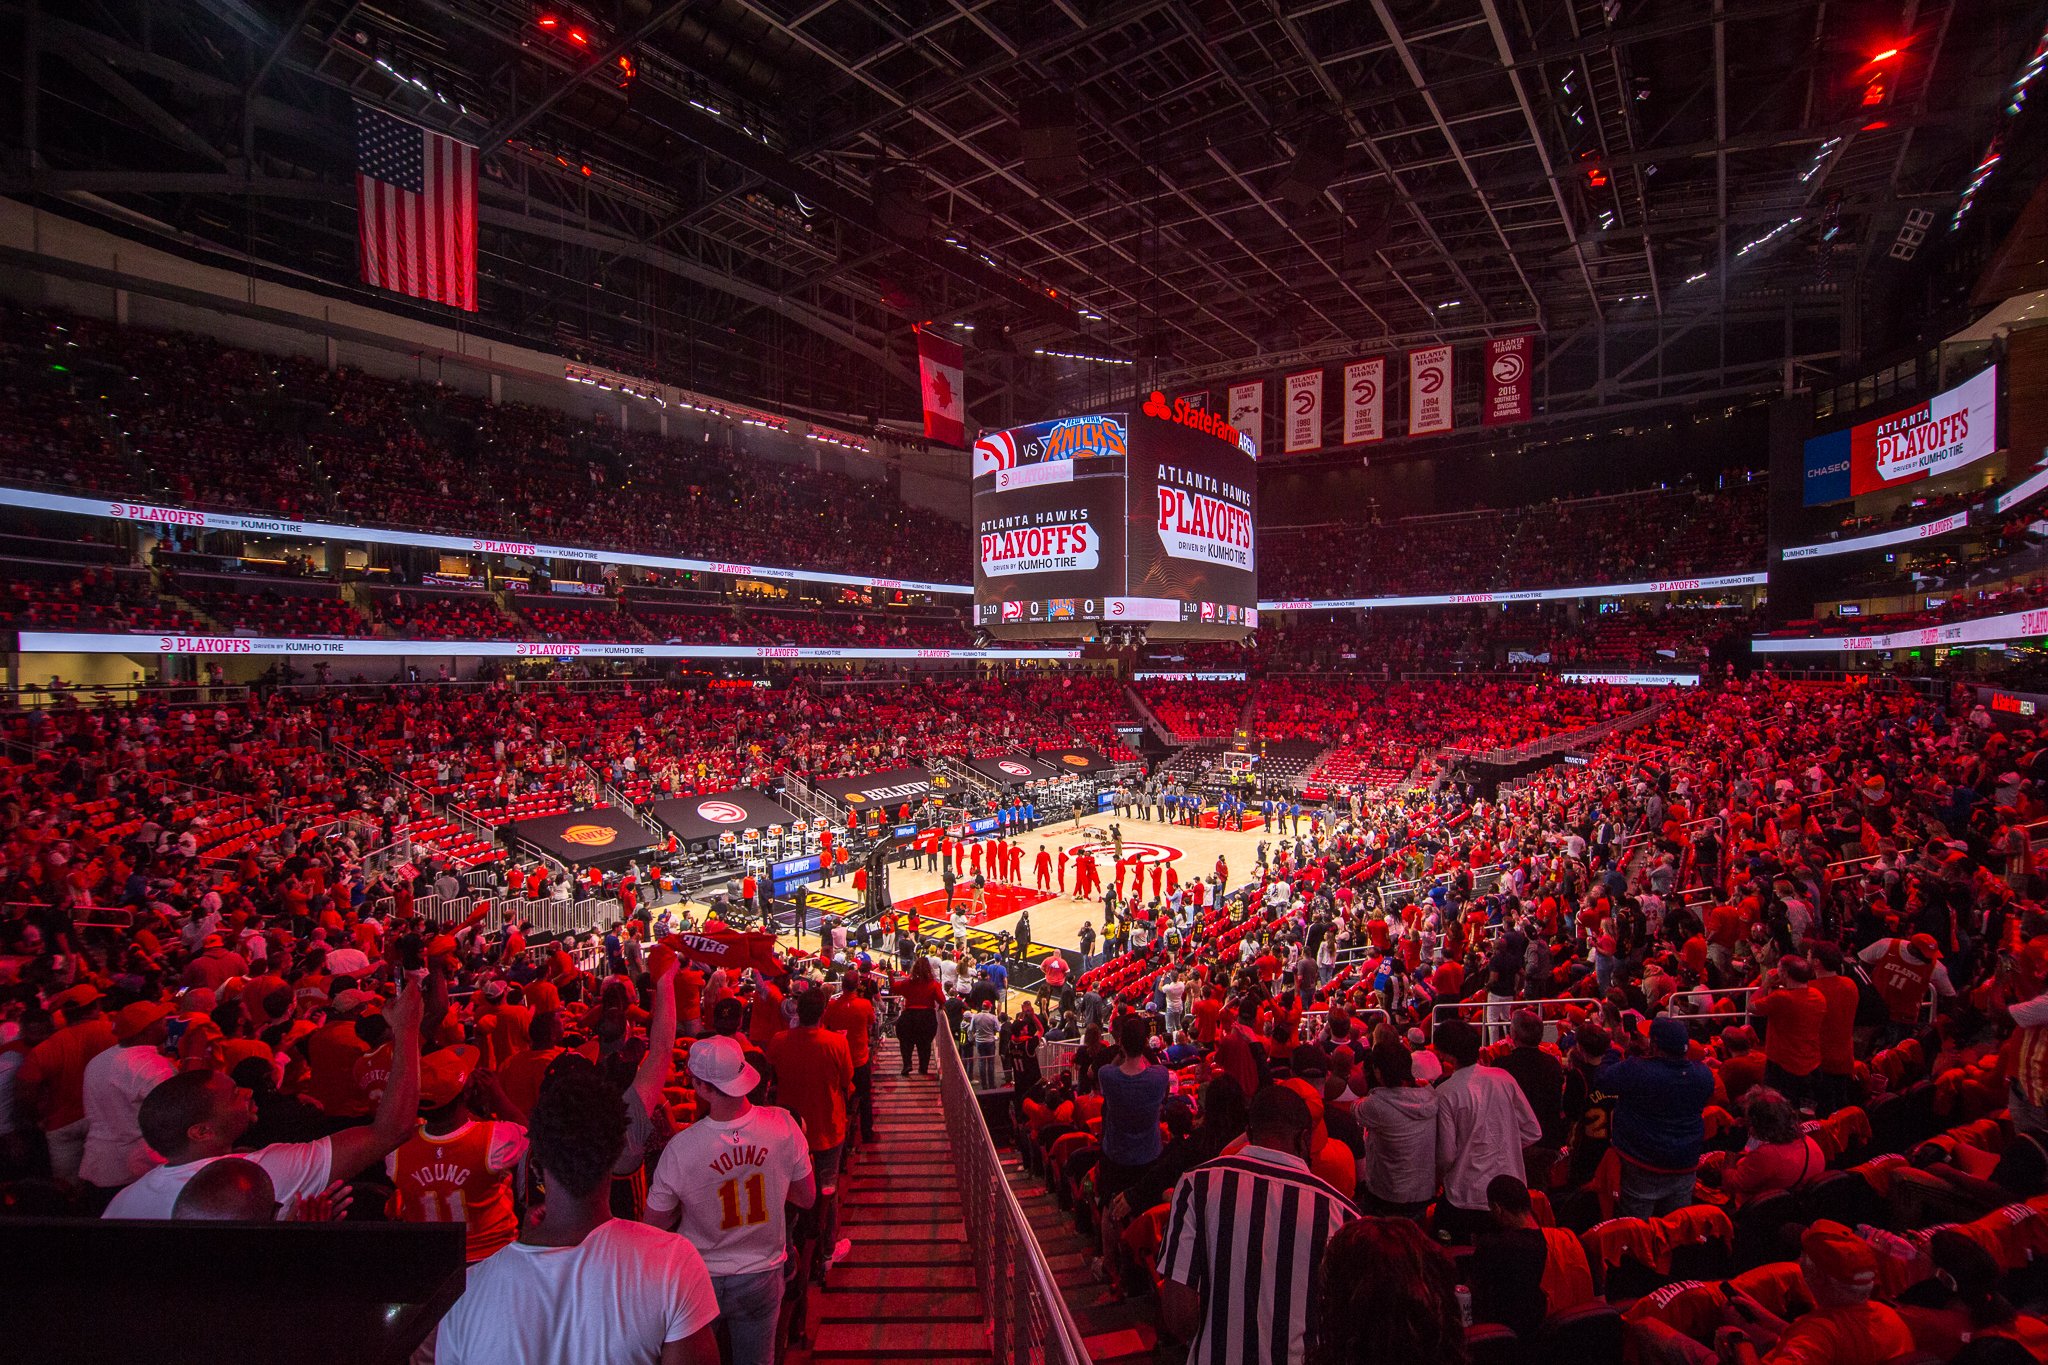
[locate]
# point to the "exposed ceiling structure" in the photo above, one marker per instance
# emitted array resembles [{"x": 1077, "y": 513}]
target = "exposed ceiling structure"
[{"x": 758, "y": 198}]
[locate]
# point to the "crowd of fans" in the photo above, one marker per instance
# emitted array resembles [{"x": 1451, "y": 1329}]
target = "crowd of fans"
[
  {"x": 1726, "y": 1044},
  {"x": 129, "y": 411},
  {"x": 1629, "y": 538},
  {"x": 1724, "y": 1041}
]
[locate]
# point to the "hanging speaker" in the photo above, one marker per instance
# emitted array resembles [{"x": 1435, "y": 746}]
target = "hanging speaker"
[
  {"x": 1048, "y": 137},
  {"x": 1318, "y": 160},
  {"x": 900, "y": 207}
]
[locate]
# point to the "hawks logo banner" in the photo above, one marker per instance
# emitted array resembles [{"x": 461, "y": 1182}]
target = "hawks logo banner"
[
  {"x": 1365, "y": 400},
  {"x": 941, "y": 366},
  {"x": 1509, "y": 381},
  {"x": 1248, "y": 413},
  {"x": 1304, "y": 412},
  {"x": 1429, "y": 390}
]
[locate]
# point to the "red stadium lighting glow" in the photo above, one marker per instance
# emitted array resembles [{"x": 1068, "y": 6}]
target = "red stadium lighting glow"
[
  {"x": 549, "y": 21},
  {"x": 579, "y": 37},
  {"x": 1886, "y": 55}
]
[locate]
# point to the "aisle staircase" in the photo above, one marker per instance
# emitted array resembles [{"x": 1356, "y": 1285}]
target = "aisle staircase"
[
  {"x": 907, "y": 1292},
  {"x": 1117, "y": 1331}
]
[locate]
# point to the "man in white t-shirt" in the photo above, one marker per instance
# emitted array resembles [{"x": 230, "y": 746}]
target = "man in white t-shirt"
[
  {"x": 579, "y": 1284},
  {"x": 115, "y": 1084},
  {"x": 723, "y": 1182},
  {"x": 198, "y": 1116}
]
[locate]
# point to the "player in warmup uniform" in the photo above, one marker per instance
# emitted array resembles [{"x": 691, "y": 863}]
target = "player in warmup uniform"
[
  {"x": 724, "y": 1182},
  {"x": 458, "y": 1167}
]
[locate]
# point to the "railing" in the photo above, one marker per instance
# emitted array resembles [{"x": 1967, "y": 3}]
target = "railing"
[
  {"x": 1496, "y": 1013},
  {"x": 1027, "y": 1319}
]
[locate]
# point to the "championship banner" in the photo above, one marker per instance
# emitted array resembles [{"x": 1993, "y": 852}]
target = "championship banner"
[
  {"x": 1429, "y": 390},
  {"x": 1510, "y": 381},
  {"x": 728, "y": 948},
  {"x": 1365, "y": 400},
  {"x": 890, "y": 788},
  {"x": 701, "y": 819},
  {"x": 1010, "y": 770},
  {"x": 1248, "y": 413},
  {"x": 604, "y": 834},
  {"x": 1952, "y": 429},
  {"x": 1304, "y": 412},
  {"x": 1076, "y": 760}
]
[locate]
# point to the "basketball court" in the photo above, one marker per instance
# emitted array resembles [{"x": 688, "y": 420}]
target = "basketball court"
[{"x": 1055, "y": 919}]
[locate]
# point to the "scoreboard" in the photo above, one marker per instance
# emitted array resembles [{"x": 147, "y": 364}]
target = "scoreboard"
[{"x": 1141, "y": 518}]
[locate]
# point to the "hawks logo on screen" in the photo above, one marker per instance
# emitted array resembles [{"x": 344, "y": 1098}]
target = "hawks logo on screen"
[
  {"x": 1014, "y": 769},
  {"x": 721, "y": 812},
  {"x": 1146, "y": 854},
  {"x": 994, "y": 453},
  {"x": 590, "y": 836}
]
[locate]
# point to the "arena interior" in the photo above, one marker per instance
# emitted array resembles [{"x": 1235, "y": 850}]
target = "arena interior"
[{"x": 1247, "y": 682}]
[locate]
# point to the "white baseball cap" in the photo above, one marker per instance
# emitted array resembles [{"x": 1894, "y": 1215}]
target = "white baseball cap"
[{"x": 721, "y": 1063}]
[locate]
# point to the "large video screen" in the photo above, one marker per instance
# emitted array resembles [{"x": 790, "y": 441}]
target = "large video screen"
[
  {"x": 1953, "y": 428},
  {"x": 1140, "y": 517}
]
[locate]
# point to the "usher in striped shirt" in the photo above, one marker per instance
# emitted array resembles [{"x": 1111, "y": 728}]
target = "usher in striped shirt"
[{"x": 1247, "y": 1232}]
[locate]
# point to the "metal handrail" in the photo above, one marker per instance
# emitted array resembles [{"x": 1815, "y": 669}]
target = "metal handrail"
[{"x": 1026, "y": 1316}]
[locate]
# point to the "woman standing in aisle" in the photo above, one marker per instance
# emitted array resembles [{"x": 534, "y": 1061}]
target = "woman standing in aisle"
[{"x": 918, "y": 1025}]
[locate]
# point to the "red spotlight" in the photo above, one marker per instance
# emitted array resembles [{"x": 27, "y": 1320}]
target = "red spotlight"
[
  {"x": 1886, "y": 55},
  {"x": 549, "y": 21},
  {"x": 579, "y": 37}
]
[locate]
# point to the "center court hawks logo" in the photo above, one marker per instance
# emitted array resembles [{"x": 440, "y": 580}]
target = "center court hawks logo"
[
  {"x": 1014, "y": 769},
  {"x": 721, "y": 812},
  {"x": 590, "y": 836},
  {"x": 1146, "y": 854}
]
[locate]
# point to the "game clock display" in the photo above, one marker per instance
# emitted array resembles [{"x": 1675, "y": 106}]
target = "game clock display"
[{"x": 1140, "y": 518}]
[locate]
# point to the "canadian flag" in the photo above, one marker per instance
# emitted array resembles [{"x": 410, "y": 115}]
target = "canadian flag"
[{"x": 939, "y": 365}]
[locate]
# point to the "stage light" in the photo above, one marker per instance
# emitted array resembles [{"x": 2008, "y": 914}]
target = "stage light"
[{"x": 1886, "y": 55}]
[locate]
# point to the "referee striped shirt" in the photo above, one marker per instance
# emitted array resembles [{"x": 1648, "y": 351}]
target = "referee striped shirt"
[{"x": 1247, "y": 1232}]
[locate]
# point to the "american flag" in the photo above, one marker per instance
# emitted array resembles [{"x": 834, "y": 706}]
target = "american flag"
[{"x": 415, "y": 209}]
